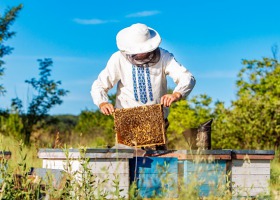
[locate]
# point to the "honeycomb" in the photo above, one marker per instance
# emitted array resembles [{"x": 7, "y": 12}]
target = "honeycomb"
[{"x": 140, "y": 126}]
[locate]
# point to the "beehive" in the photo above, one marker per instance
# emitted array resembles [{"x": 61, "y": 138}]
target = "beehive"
[
  {"x": 140, "y": 126},
  {"x": 109, "y": 167},
  {"x": 155, "y": 177},
  {"x": 251, "y": 172}
]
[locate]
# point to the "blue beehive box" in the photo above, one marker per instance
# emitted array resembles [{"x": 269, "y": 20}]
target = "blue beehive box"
[
  {"x": 155, "y": 176},
  {"x": 208, "y": 169}
]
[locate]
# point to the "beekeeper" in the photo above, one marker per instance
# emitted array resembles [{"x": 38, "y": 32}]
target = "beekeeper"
[{"x": 140, "y": 70}]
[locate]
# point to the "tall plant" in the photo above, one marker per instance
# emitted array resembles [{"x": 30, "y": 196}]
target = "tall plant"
[
  {"x": 47, "y": 94},
  {"x": 254, "y": 118},
  {"x": 5, "y": 34},
  {"x": 186, "y": 114}
]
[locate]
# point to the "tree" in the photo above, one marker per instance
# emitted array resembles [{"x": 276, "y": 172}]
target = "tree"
[
  {"x": 98, "y": 126},
  {"x": 253, "y": 121},
  {"x": 5, "y": 22},
  {"x": 47, "y": 95},
  {"x": 186, "y": 114}
]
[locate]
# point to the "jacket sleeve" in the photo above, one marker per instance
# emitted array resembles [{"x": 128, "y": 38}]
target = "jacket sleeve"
[
  {"x": 181, "y": 76},
  {"x": 105, "y": 81}
]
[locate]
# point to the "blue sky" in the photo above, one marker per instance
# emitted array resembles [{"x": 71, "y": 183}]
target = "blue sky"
[{"x": 210, "y": 38}]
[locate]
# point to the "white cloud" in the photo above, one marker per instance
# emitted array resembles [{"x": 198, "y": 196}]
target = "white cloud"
[
  {"x": 92, "y": 21},
  {"x": 144, "y": 13}
]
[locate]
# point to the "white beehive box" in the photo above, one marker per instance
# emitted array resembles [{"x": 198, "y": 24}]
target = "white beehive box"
[
  {"x": 250, "y": 172},
  {"x": 107, "y": 165}
]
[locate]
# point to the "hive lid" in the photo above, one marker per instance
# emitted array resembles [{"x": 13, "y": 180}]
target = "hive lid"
[
  {"x": 191, "y": 152},
  {"x": 87, "y": 153},
  {"x": 254, "y": 152}
]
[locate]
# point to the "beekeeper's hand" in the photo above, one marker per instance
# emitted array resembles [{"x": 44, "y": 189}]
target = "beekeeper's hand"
[
  {"x": 106, "y": 108},
  {"x": 168, "y": 99}
]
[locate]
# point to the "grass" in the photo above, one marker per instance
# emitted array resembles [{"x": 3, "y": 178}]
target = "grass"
[
  {"x": 88, "y": 187},
  {"x": 18, "y": 149},
  {"x": 275, "y": 176}
]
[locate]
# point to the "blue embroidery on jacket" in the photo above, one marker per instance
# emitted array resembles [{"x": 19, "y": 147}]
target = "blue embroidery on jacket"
[
  {"x": 142, "y": 83},
  {"x": 134, "y": 83},
  {"x": 149, "y": 84}
]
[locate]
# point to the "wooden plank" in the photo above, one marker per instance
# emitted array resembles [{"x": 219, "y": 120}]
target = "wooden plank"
[
  {"x": 253, "y": 181},
  {"x": 77, "y": 155},
  {"x": 150, "y": 165},
  {"x": 106, "y": 172},
  {"x": 191, "y": 155},
  {"x": 157, "y": 180},
  {"x": 253, "y": 152},
  {"x": 122, "y": 149},
  {"x": 87, "y": 153},
  {"x": 152, "y": 185},
  {"x": 53, "y": 164},
  {"x": 57, "y": 176},
  {"x": 109, "y": 155},
  {"x": 253, "y": 157},
  {"x": 203, "y": 166},
  {"x": 208, "y": 152},
  {"x": 61, "y": 164},
  {"x": 251, "y": 163},
  {"x": 155, "y": 176},
  {"x": 206, "y": 177},
  {"x": 216, "y": 157},
  {"x": 109, "y": 166},
  {"x": 109, "y": 179},
  {"x": 96, "y": 167},
  {"x": 175, "y": 155},
  {"x": 250, "y": 170}
]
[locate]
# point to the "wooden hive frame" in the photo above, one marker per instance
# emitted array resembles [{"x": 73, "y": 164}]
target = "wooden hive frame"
[{"x": 140, "y": 126}]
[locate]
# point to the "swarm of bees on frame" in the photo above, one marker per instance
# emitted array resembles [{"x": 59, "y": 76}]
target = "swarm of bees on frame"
[{"x": 140, "y": 126}]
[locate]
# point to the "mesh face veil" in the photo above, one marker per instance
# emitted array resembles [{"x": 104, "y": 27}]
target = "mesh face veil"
[{"x": 150, "y": 58}]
